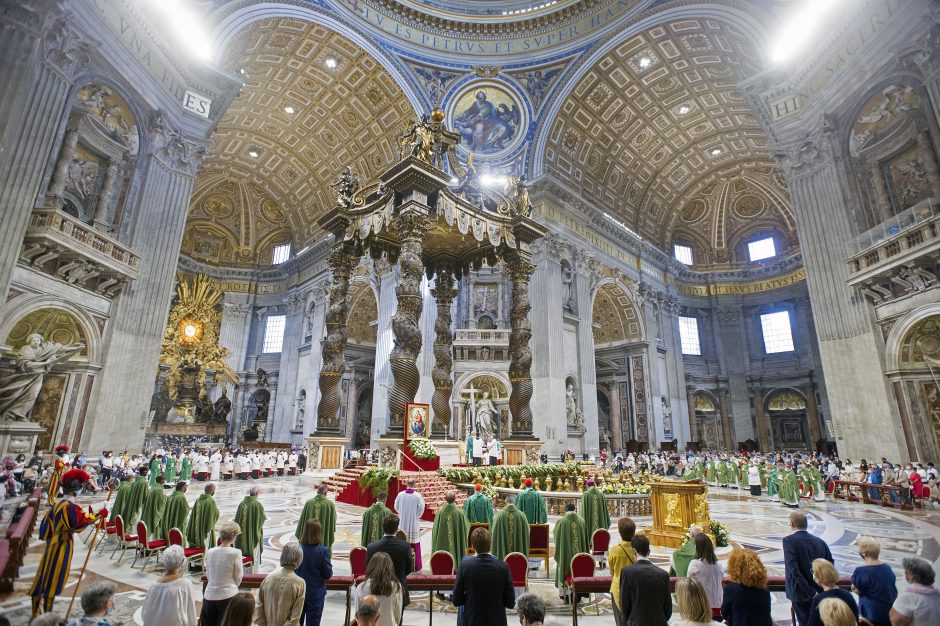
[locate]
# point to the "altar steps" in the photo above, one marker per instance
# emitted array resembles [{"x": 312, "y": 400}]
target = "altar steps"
[{"x": 434, "y": 488}]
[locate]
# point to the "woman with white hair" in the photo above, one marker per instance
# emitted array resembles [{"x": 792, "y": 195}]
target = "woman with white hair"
[
  {"x": 281, "y": 598},
  {"x": 171, "y": 600}
]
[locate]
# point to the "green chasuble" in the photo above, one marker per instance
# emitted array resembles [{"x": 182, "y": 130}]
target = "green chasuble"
[
  {"x": 724, "y": 474},
  {"x": 152, "y": 514},
  {"x": 186, "y": 469},
  {"x": 155, "y": 470},
  {"x": 372, "y": 521},
  {"x": 121, "y": 501},
  {"x": 594, "y": 511},
  {"x": 450, "y": 531},
  {"x": 250, "y": 516},
  {"x": 169, "y": 471},
  {"x": 682, "y": 557},
  {"x": 202, "y": 521},
  {"x": 532, "y": 504},
  {"x": 788, "y": 487},
  {"x": 319, "y": 507},
  {"x": 478, "y": 508},
  {"x": 710, "y": 473},
  {"x": 773, "y": 484},
  {"x": 175, "y": 513},
  {"x": 742, "y": 475},
  {"x": 510, "y": 532},
  {"x": 135, "y": 502},
  {"x": 570, "y": 539}
]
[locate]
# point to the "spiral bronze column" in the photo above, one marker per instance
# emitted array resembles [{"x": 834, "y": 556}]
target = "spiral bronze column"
[
  {"x": 444, "y": 293},
  {"x": 406, "y": 327},
  {"x": 341, "y": 263},
  {"x": 520, "y": 365}
]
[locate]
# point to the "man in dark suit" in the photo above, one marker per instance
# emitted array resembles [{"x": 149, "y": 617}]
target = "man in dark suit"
[
  {"x": 644, "y": 589},
  {"x": 399, "y": 551},
  {"x": 800, "y": 549},
  {"x": 484, "y": 585}
]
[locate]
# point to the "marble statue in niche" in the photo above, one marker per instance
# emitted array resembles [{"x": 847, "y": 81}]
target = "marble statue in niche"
[
  {"x": 20, "y": 388},
  {"x": 301, "y": 410},
  {"x": 567, "y": 287},
  {"x": 667, "y": 415},
  {"x": 222, "y": 407},
  {"x": 574, "y": 415},
  {"x": 487, "y": 416}
]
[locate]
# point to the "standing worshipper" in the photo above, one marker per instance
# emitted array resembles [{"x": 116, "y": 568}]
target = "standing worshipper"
[
  {"x": 372, "y": 520},
  {"x": 202, "y": 520},
  {"x": 450, "y": 529},
  {"x": 484, "y": 585},
  {"x": 176, "y": 511},
  {"x": 773, "y": 483},
  {"x": 479, "y": 507},
  {"x": 594, "y": 510},
  {"x": 315, "y": 569},
  {"x": 477, "y": 450},
  {"x": 215, "y": 464},
  {"x": 58, "y": 468},
  {"x": 789, "y": 490},
  {"x": 510, "y": 530},
  {"x": 398, "y": 551},
  {"x": 170, "y": 472},
  {"x": 156, "y": 469},
  {"x": 619, "y": 557},
  {"x": 63, "y": 520},
  {"x": 186, "y": 468},
  {"x": 410, "y": 507},
  {"x": 532, "y": 504},
  {"x": 319, "y": 507},
  {"x": 154, "y": 507},
  {"x": 122, "y": 499},
  {"x": 800, "y": 549},
  {"x": 135, "y": 503},
  {"x": 570, "y": 539},
  {"x": 644, "y": 589},
  {"x": 250, "y": 516}
]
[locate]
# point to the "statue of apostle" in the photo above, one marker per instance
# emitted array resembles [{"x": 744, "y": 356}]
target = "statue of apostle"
[
  {"x": 250, "y": 516},
  {"x": 372, "y": 520},
  {"x": 594, "y": 509},
  {"x": 202, "y": 520},
  {"x": 450, "y": 529},
  {"x": 532, "y": 504},
  {"x": 479, "y": 507},
  {"x": 570, "y": 539},
  {"x": 319, "y": 507},
  {"x": 510, "y": 530},
  {"x": 20, "y": 388}
]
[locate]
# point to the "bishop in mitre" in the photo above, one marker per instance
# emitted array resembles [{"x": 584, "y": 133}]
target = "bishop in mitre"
[
  {"x": 510, "y": 530},
  {"x": 450, "y": 529},
  {"x": 250, "y": 516},
  {"x": 372, "y": 520},
  {"x": 594, "y": 509},
  {"x": 532, "y": 504},
  {"x": 319, "y": 507},
  {"x": 479, "y": 507},
  {"x": 570, "y": 539}
]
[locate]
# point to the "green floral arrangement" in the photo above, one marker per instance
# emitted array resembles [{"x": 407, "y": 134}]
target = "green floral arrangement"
[
  {"x": 720, "y": 532},
  {"x": 613, "y": 488},
  {"x": 375, "y": 479},
  {"x": 422, "y": 449},
  {"x": 514, "y": 474}
]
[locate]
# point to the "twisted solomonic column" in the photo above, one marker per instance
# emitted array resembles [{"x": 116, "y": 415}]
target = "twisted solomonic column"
[
  {"x": 406, "y": 328},
  {"x": 341, "y": 264},
  {"x": 520, "y": 364},
  {"x": 444, "y": 293}
]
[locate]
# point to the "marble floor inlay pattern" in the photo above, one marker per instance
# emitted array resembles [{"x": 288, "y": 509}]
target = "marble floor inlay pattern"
[{"x": 754, "y": 523}]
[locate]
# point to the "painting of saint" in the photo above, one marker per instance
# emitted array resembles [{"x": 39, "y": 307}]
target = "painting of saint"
[
  {"x": 417, "y": 420},
  {"x": 487, "y": 119}
]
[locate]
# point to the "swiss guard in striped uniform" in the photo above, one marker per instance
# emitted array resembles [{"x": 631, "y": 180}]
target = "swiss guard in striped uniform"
[
  {"x": 64, "y": 519},
  {"x": 61, "y": 462}
]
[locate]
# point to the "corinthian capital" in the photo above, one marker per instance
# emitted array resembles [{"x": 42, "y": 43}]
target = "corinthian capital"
[
  {"x": 172, "y": 148},
  {"x": 64, "y": 48},
  {"x": 805, "y": 156}
]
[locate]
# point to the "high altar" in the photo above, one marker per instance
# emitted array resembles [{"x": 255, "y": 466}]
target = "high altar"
[
  {"x": 676, "y": 506},
  {"x": 440, "y": 225}
]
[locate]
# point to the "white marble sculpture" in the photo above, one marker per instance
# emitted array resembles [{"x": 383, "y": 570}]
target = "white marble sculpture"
[
  {"x": 575, "y": 417},
  {"x": 487, "y": 416},
  {"x": 20, "y": 388}
]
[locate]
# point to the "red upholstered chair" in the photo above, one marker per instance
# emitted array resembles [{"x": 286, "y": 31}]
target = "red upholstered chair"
[
  {"x": 473, "y": 527},
  {"x": 442, "y": 563},
  {"x": 193, "y": 554},
  {"x": 147, "y": 547},
  {"x": 519, "y": 569},
  {"x": 538, "y": 543},
  {"x": 124, "y": 539},
  {"x": 600, "y": 543},
  {"x": 582, "y": 566},
  {"x": 357, "y": 561}
]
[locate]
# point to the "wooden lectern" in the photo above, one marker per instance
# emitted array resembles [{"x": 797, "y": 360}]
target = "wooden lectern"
[{"x": 676, "y": 506}]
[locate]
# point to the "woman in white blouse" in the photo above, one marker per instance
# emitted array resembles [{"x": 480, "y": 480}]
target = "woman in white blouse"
[
  {"x": 705, "y": 569},
  {"x": 381, "y": 582},
  {"x": 224, "y": 573},
  {"x": 171, "y": 600}
]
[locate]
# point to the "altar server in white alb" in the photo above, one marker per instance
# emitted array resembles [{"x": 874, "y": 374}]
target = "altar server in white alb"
[{"x": 410, "y": 507}]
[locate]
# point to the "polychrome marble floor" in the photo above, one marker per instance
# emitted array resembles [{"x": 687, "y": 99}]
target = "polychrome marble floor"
[{"x": 754, "y": 523}]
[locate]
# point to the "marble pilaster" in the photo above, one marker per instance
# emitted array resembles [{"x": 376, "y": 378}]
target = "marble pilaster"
[
  {"x": 284, "y": 411},
  {"x": 587, "y": 365},
  {"x": 388, "y": 304},
  {"x": 548, "y": 358}
]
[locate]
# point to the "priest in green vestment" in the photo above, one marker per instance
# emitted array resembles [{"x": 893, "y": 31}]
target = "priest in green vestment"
[
  {"x": 186, "y": 468},
  {"x": 570, "y": 539},
  {"x": 510, "y": 530},
  {"x": 169, "y": 471},
  {"x": 532, "y": 504},
  {"x": 684, "y": 554},
  {"x": 319, "y": 507},
  {"x": 202, "y": 520},
  {"x": 773, "y": 483},
  {"x": 154, "y": 505},
  {"x": 594, "y": 510},
  {"x": 156, "y": 469},
  {"x": 450, "y": 530},
  {"x": 122, "y": 499},
  {"x": 372, "y": 520},
  {"x": 177, "y": 511},
  {"x": 788, "y": 487},
  {"x": 479, "y": 507},
  {"x": 724, "y": 473},
  {"x": 711, "y": 473},
  {"x": 250, "y": 516},
  {"x": 136, "y": 500}
]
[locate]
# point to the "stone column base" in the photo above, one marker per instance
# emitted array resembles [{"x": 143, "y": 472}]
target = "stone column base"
[
  {"x": 390, "y": 450},
  {"x": 521, "y": 451},
  {"x": 325, "y": 454},
  {"x": 19, "y": 438}
]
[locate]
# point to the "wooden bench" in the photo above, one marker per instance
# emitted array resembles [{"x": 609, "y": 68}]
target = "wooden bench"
[
  {"x": 13, "y": 548},
  {"x": 844, "y": 491}
]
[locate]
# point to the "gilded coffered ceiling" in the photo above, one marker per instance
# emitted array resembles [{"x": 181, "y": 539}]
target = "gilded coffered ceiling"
[
  {"x": 658, "y": 134},
  {"x": 296, "y": 123}
]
